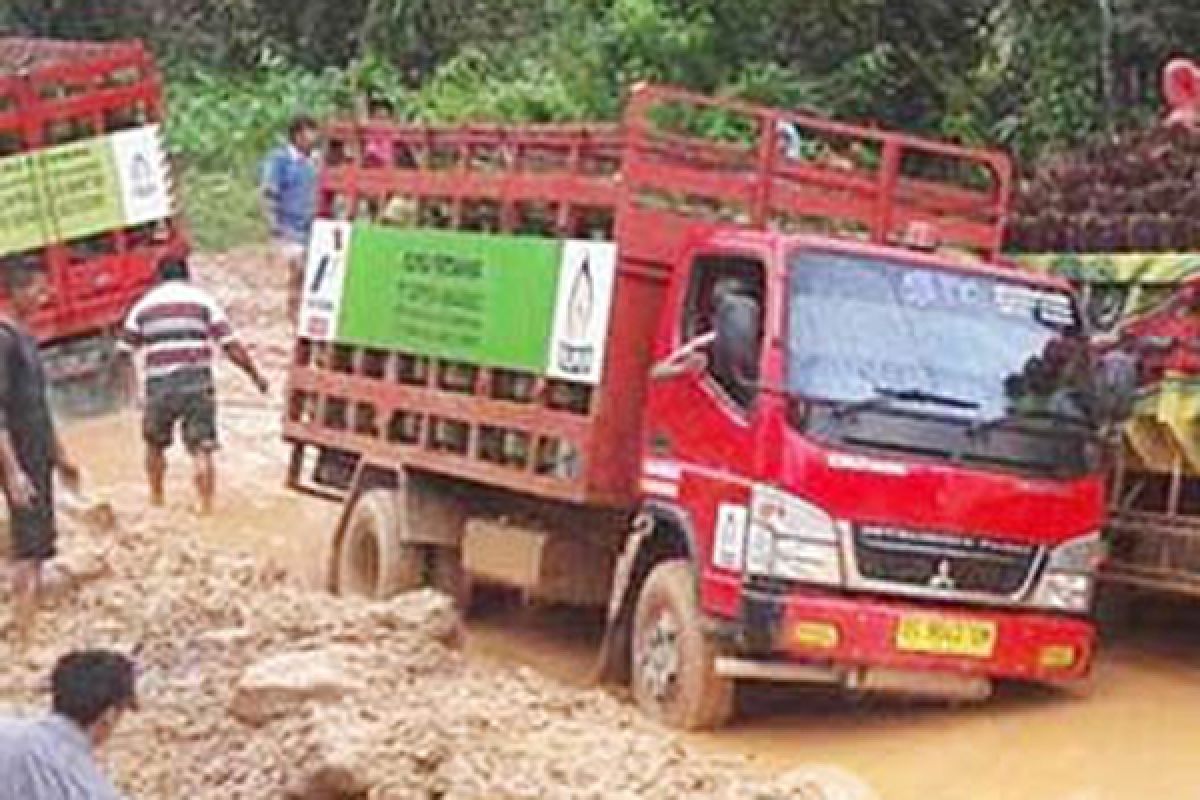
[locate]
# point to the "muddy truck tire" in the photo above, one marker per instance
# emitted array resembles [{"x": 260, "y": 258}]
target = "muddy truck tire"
[
  {"x": 674, "y": 661},
  {"x": 373, "y": 560}
]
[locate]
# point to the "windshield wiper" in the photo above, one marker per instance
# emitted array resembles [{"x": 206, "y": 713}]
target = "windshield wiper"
[
  {"x": 884, "y": 396},
  {"x": 915, "y": 395}
]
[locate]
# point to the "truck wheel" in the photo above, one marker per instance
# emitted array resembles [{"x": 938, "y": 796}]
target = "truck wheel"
[
  {"x": 373, "y": 560},
  {"x": 673, "y": 660}
]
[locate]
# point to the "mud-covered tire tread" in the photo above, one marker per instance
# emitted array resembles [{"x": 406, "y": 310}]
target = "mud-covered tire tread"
[
  {"x": 706, "y": 700},
  {"x": 401, "y": 565}
]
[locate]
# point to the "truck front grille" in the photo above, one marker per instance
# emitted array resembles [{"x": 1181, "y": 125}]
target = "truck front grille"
[{"x": 941, "y": 562}]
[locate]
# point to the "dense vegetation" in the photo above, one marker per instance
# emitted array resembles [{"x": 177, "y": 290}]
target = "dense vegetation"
[{"x": 1030, "y": 75}]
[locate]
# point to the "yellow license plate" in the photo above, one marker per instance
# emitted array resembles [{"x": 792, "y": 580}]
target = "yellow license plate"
[{"x": 946, "y": 637}]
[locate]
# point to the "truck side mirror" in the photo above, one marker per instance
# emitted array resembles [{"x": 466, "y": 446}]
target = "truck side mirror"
[{"x": 735, "y": 351}]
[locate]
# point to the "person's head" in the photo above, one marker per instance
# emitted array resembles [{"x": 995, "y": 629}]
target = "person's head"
[
  {"x": 24, "y": 286},
  {"x": 379, "y": 108},
  {"x": 1014, "y": 386},
  {"x": 173, "y": 268},
  {"x": 303, "y": 132},
  {"x": 1039, "y": 380},
  {"x": 93, "y": 688}
]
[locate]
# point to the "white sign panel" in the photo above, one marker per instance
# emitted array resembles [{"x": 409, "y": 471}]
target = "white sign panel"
[
  {"x": 581, "y": 311},
  {"x": 324, "y": 273},
  {"x": 143, "y": 173},
  {"x": 730, "y": 540}
]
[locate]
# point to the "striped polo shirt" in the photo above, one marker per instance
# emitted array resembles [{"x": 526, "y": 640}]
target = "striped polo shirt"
[{"x": 175, "y": 325}]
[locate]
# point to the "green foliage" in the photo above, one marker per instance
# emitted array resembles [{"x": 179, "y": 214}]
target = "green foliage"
[
  {"x": 1029, "y": 75},
  {"x": 228, "y": 122},
  {"x": 221, "y": 209}
]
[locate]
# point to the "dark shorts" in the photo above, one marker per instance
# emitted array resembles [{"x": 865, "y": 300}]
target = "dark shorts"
[
  {"x": 194, "y": 410},
  {"x": 33, "y": 529}
]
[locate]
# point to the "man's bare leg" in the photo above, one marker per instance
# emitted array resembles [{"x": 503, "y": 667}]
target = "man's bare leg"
[
  {"x": 206, "y": 480},
  {"x": 295, "y": 289},
  {"x": 26, "y": 588},
  {"x": 156, "y": 473}
]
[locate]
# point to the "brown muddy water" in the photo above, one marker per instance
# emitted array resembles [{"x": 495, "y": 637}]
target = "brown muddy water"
[{"x": 1133, "y": 733}]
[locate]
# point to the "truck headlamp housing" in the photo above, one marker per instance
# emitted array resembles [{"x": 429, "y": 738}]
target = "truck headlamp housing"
[
  {"x": 1069, "y": 578},
  {"x": 792, "y": 539}
]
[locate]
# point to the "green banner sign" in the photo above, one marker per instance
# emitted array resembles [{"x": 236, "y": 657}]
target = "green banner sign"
[
  {"x": 524, "y": 303},
  {"x": 81, "y": 189},
  {"x": 82, "y": 194},
  {"x": 477, "y": 299},
  {"x": 22, "y": 223}
]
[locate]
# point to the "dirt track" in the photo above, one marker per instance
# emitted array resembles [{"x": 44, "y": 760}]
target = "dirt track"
[{"x": 1134, "y": 734}]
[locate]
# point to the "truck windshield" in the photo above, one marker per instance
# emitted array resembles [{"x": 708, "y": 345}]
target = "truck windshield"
[{"x": 871, "y": 333}]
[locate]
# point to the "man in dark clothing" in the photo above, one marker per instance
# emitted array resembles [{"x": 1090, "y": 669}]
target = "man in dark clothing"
[{"x": 30, "y": 451}]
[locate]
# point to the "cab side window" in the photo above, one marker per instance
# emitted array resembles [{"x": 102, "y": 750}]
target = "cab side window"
[{"x": 726, "y": 294}]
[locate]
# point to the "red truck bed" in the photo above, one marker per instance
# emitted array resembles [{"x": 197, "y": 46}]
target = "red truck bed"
[
  {"x": 647, "y": 185},
  {"x": 53, "y": 93}
]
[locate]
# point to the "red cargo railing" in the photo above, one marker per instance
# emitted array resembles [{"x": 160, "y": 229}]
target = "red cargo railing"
[
  {"x": 54, "y": 92},
  {"x": 647, "y": 185},
  {"x": 795, "y": 172}
]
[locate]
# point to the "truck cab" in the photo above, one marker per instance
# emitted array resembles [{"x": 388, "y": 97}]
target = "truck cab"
[{"x": 881, "y": 460}]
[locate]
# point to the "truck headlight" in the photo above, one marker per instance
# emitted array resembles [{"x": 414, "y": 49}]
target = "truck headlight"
[
  {"x": 792, "y": 539},
  {"x": 1068, "y": 581}
]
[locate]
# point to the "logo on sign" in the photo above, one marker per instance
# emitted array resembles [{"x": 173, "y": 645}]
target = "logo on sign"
[
  {"x": 582, "y": 304},
  {"x": 329, "y": 247},
  {"x": 318, "y": 327},
  {"x": 142, "y": 177},
  {"x": 326, "y": 266},
  {"x": 577, "y": 354}
]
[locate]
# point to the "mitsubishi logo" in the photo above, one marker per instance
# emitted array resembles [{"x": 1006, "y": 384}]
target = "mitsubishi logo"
[{"x": 942, "y": 579}]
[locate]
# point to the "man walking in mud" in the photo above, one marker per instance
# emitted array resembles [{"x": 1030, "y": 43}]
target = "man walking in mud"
[
  {"x": 30, "y": 451},
  {"x": 289, "y": 196},
  {"x": 176, "y": 326}
]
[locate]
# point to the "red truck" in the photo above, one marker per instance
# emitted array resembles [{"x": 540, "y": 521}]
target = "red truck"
[
  {"x": 727, "y": 371},
  {"x": 85, "y": 194}
]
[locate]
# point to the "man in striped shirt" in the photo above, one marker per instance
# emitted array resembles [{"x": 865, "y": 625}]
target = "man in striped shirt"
[{"x": 178, "y": 326}]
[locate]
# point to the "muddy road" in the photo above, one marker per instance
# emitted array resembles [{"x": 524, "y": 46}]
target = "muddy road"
[{"x": 1133, "y": 733}]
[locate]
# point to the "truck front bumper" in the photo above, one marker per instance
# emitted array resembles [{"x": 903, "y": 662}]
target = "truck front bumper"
[{"x": 863, "y": 631}]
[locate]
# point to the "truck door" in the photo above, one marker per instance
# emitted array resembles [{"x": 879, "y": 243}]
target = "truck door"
[{"x": 701, "y": 453}]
